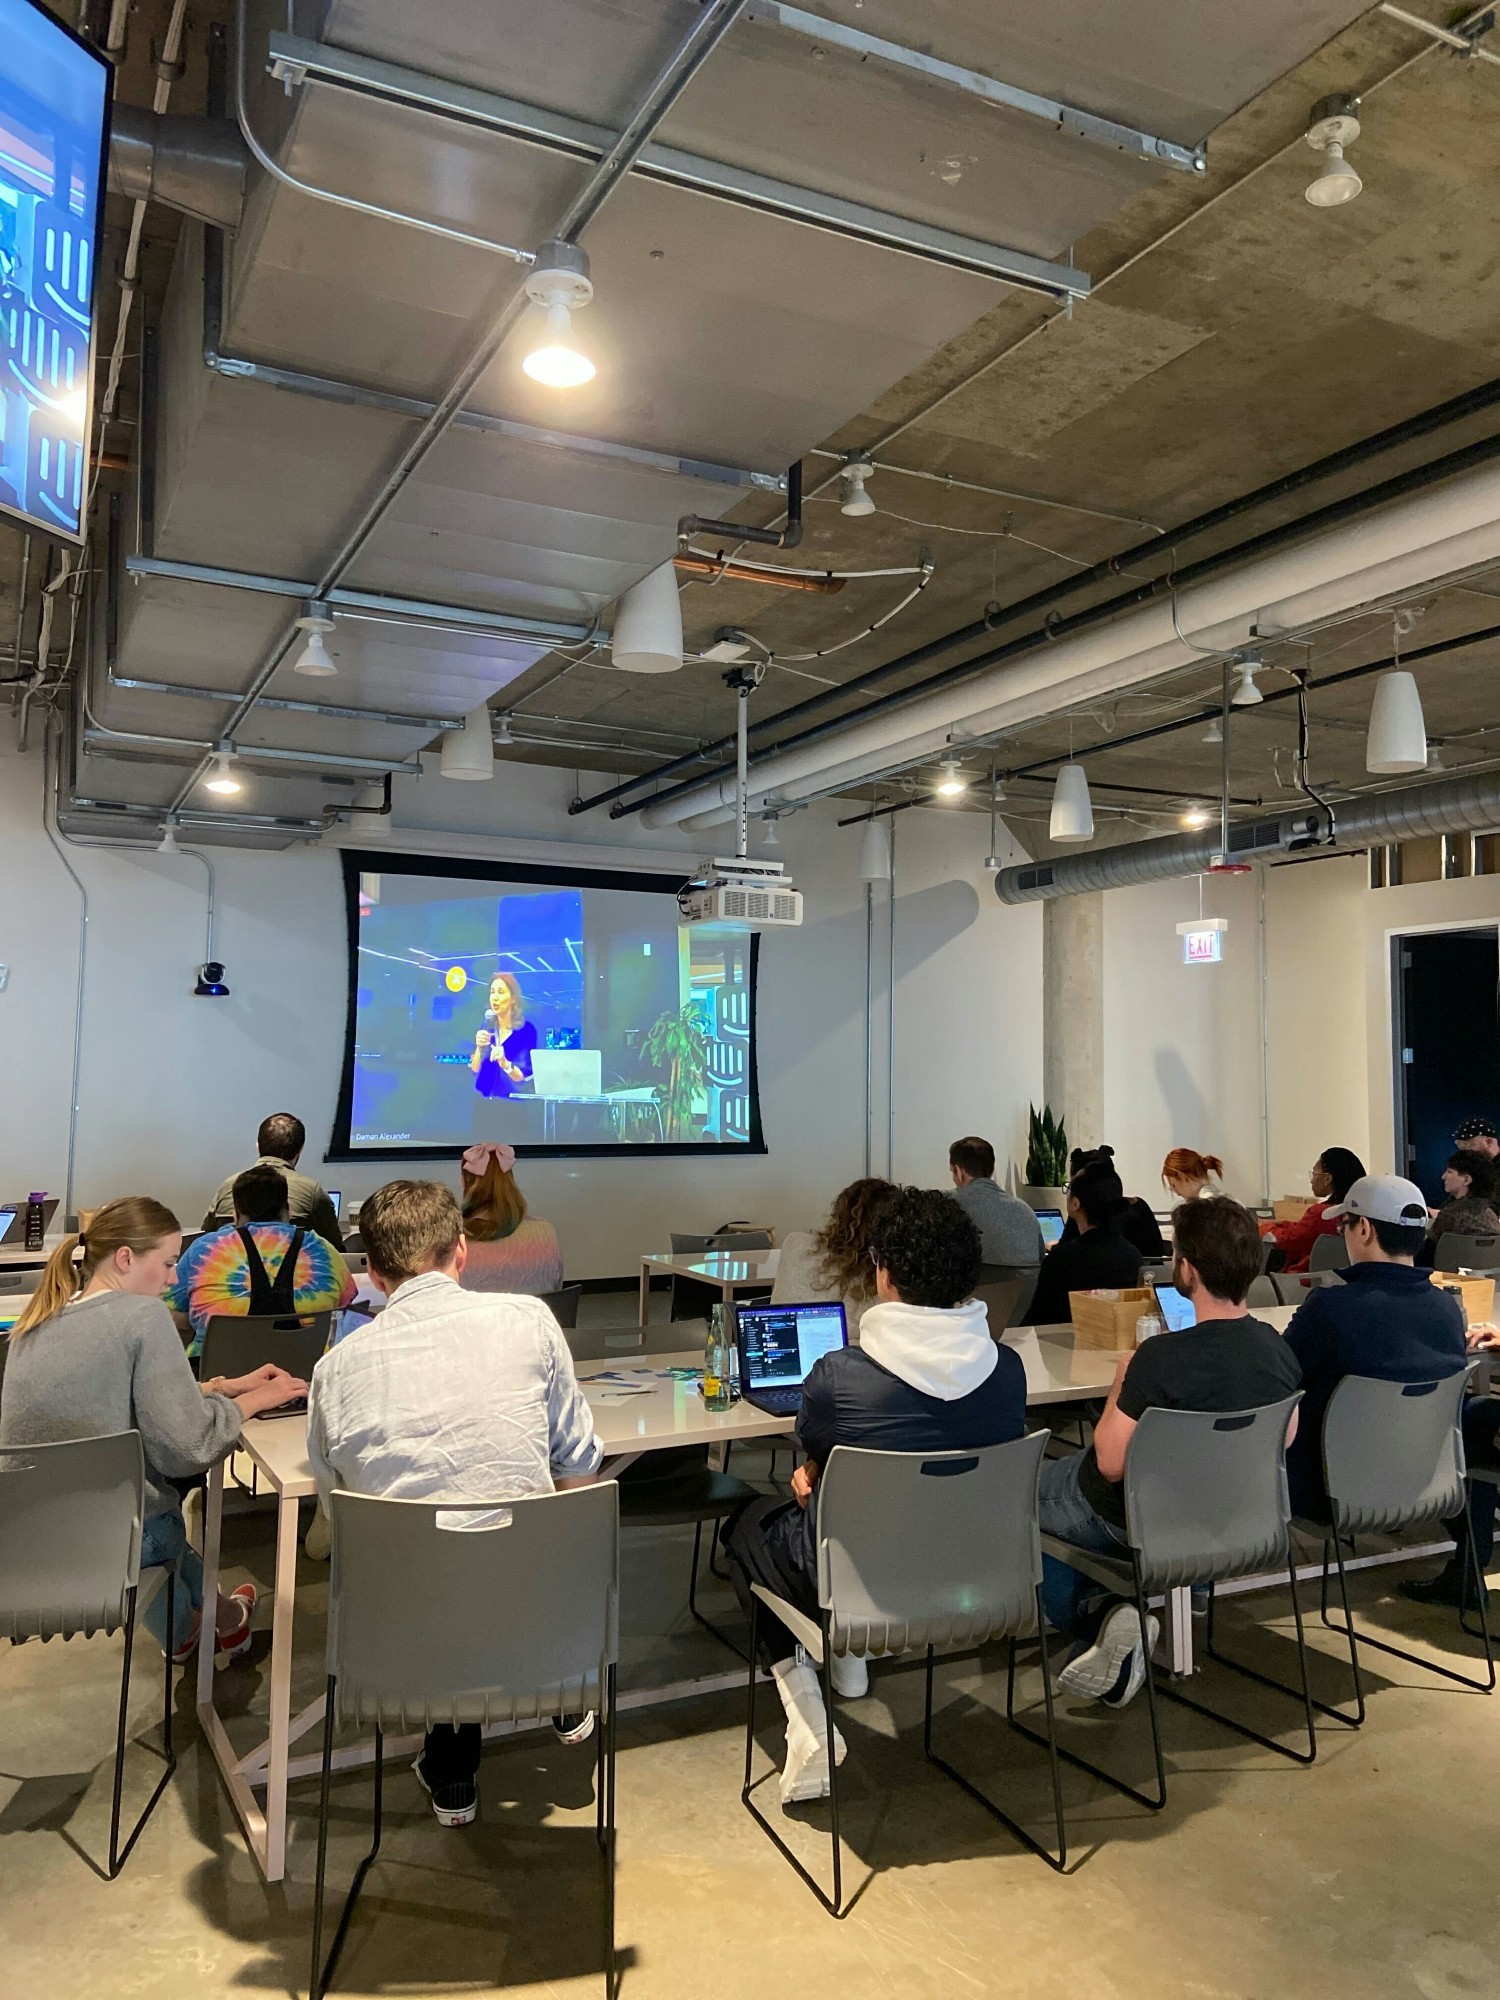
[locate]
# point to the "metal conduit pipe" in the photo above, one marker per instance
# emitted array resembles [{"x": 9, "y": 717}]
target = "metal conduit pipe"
[
  {"x": 1471, "y": 403},
  {"x": 194, "y": 165},
  {"x": 1468, "y": 804}
]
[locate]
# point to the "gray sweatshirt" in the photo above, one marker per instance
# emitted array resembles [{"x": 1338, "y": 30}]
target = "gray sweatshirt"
[
  {"x": 1008, "y": 1230},
  {"x": 115, "y": 1362}
]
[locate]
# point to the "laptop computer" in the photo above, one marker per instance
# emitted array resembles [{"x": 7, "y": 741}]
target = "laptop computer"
[
  {"x": 13, "y": 1220},
  {"x": 778, "y": 1346},
  {"x": 568, "y": 1072},
  {"x": 1177, "y": 1313},
  {"x": 1051, "y": 1221},
  {"x": 336, "y": 1196}
]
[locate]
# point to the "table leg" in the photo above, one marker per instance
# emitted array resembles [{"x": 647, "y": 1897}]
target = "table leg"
[
  {"x": 281, "y": 1685},
  {"x": 213, "y": 1523},
  {"x": 645, "y": 1319}
]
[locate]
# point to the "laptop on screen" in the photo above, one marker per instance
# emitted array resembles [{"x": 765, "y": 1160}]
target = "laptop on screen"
[
  {"x": 13, "y": 1220},
  {"x": 778, "y": 1346},
  {"x": 568, "y": 1072},
  {"x": 1177, "y": 1313},
  {"x": 1051, "y": 1220}
]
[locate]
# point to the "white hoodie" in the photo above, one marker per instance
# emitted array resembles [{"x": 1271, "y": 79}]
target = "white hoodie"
[{"x": 942, "y": 1351}]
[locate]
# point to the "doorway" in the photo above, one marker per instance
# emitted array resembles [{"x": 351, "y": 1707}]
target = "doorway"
[{"x": 1447, "y": 1022}]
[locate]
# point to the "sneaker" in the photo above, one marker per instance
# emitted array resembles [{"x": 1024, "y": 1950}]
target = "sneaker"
[
  {"x": 452, "y": 1805},
  {"x": 573, "y": 1728},
  {"x": 1449, "y": 1587},
  {"x": 851, "y": 1676},
  {"x": 805, "y": 1772},
  {"x": 1114, "y": 1666},
  {"x": 235, "y": 1644}
]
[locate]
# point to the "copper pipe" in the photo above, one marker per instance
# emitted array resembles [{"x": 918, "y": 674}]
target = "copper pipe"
[{"x": 825, "y": 586}]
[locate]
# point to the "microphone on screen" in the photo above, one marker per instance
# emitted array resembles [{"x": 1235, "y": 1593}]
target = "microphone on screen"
[{"x": 492, "y": 1022}]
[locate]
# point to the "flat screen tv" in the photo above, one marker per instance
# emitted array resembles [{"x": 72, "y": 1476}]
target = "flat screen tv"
[{"x": 54, "y": 131}]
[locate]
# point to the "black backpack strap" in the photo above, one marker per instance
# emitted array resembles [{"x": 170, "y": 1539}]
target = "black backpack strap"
[{"x": 272, "y": 1296}]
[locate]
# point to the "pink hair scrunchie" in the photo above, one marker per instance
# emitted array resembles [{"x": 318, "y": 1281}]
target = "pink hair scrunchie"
[{"x": 479, "y": 1155}]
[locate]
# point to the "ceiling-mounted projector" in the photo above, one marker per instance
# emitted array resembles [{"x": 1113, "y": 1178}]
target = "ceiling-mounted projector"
[{"x": 750, "y": 895}]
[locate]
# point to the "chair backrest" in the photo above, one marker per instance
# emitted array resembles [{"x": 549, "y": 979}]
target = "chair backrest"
[
  {"x": 14, "y": 1282},
  {"x": 506, "y": 1613},
  {"x": 929, "y": 1548},
  {"x": 70, "y": 1535},
  {"x": 1206, "y": 1493},
  {"x": 1262, "y": 1293},
  {"x": 1005, "y": 1299},
  {"x": 626, "y": 1343},
  {"x": 1292, "y": 1287},
  {"x": 1392, "y": 1452},
  {"x": 1272, "y": 1256},
  {"x": 354, "y": 1241},
  {"x": 237, "y": 1344},
  {"x": 563, "y": 1305},
  {"x": 1473, "y": 1253},
  {"x": 1328, "y": 1254}
]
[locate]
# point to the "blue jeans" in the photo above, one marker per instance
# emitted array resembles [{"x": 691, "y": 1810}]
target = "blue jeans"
[
  {"x": 1073, "y": 1602},
  {"x": 164, "y": 1545}
]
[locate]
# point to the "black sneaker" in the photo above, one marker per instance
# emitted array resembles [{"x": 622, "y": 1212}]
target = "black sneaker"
[
  {"x": 574, "y": 1728},
  {"x": 1448, "y": 1587},
  {"x": 456, "y": 1804}
]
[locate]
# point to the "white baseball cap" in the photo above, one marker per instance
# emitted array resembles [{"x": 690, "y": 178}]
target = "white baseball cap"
[{"x": 1382, "y": 1198}]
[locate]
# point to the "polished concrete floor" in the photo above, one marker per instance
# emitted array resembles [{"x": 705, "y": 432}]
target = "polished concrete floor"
[{"x": 1368, "y": 1875}]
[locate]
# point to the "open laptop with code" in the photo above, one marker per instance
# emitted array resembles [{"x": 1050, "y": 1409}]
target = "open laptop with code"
[{"x": 778, "y": 1346}]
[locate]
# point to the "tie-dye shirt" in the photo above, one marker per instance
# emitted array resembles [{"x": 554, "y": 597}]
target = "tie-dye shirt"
[{"x": 213, "y": 1275}]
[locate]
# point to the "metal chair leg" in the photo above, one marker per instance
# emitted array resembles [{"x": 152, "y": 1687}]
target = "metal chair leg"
[
  {"x": 315, "y": 1979},
  {"x": 323, "y": 1981},
  {"x": 1481, "y": 1599},
  {"x": 1264, "y": 1680},
  {"x": 1058, "y": 1861},
  {"x": 118, "y": 1855},
  {"x": 834, "y": 1904},
  {"x": 1485, "y": 1686},
  {"x": 707, "y": 1623},
  {"x": 1355, "y": 1721},
  {"x": 607, "y": 1800}
]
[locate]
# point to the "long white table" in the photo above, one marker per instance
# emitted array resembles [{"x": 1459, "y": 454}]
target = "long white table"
[{"x": 731, "y": 1271}]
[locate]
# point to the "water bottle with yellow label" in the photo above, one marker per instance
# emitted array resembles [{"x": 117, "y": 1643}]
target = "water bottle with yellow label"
[{"x": 718, "y": 1387}]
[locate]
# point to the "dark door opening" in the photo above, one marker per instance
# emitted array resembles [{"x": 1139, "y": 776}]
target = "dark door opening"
[{"x": 1447, "y": 1023}]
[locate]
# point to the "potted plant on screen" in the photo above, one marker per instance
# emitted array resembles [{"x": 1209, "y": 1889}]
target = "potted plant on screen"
[
  {"x": 1046, "y": 1184},
  {"x": 676, "y": 1044}
]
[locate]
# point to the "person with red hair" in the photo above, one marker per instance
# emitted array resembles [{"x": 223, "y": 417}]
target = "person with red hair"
[{"x": 1192, "y": 1176}]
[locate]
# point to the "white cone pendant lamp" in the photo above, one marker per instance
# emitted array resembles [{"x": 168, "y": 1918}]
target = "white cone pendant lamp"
[
  {"x": 1072, "y": 809},
  {"x": 1398, "y": 733},
  {"x": 469, "y": 753},
  {"x": 648, "y": 625},
  {"x": 875, "y": 852}
]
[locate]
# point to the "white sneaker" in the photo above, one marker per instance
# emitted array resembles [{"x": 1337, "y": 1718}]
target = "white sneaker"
[
  {"x": 851, "y": 1677},
  {"x": 1114, "y": 1667},
  {"x": 805, "y": 1773},
  {"x": 573, "y": 1728}
]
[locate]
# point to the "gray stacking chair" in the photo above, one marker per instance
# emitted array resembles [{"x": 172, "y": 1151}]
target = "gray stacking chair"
[
  {"x": 514, "y": 1620},
  {"x": 1205, "y": 1501},
  {"x": 1262, "y": 1293},
  {"x": 1393, "y": 1458},
  {"x": 917, "y": 1552},
  {"x": 563, "y": 1305},
  {"x": 70, "y": 1563},
  {"x": 236, "y": 1344},
  {"x": 1471, "y": 1253},
  {"x": 1328, "y": 1254}
]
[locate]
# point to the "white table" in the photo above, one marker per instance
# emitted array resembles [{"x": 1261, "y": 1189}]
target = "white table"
[{"x": 731, "y": 1271}]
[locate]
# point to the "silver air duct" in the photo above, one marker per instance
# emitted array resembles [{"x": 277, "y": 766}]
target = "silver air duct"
[
  {"x": 1455, "y": 805},
  {"x": 195, "y": 165}
]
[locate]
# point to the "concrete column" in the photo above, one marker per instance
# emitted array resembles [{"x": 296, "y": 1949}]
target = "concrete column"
[{"x": 1073, "y": 1014}]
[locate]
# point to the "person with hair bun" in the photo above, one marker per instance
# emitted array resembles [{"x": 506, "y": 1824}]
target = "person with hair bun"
[
  {"x": 1096, "y": 1257},
  {"x": 1192, "y": 1176},
  {"x": 509, "y": 1250},
  {"x": 1138, "y": 1223},
  {"x": 95, "y": 1352}
]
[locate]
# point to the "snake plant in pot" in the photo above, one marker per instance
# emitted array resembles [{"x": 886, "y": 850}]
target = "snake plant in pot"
[{"x": 1046, "y": 1184}]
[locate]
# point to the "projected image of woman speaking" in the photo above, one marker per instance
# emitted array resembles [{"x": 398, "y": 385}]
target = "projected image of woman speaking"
[{"x": 501, "y": 1061}]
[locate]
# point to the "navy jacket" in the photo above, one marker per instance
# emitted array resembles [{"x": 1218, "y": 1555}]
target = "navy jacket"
[{"x": 1386, "y": 1320}]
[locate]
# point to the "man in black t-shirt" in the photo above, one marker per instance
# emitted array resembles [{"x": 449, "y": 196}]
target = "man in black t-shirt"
[{"x": 1226, "y": 1361}]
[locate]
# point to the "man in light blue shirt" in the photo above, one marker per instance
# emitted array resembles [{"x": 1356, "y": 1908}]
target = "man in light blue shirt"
[{"x": 1009, "y": 1232}]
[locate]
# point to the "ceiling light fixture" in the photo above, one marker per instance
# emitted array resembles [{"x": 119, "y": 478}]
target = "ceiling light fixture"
[
  {"x": 1214, "y": 732},
  {"x": 1195, "y": 817},
  {"x": 1333, "y": 124},
  {"x": 1397, "y": 740},
  {"x": 468, "y": 754},
  {"x": 1247, "y": 694},
  {"x": 954, "y": 781},
  {"x": 772, "y": 837},
  {"x": 856, "y": 503},
  {"x": 559, "y": 283},
  {"x": 1072, "y": 809},
  {"x": 168, "y": 842},
  {"x": 221, "y": 776},
  {"x": 314, "y": 657},
  {"x": 875, "y": 851},
  {"x": 503, "y": 738},
  {"x": 648, "y": 625}
]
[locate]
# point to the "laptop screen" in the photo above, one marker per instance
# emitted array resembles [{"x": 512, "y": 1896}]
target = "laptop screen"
[
  {"x": 335, "y": 1195},
  {"x": 1051, "y": 1220},
  {"x": 1176, "y": 1311},
  {"x": 7, "y": 1222},
  {"x": 779, "y": 1344}
]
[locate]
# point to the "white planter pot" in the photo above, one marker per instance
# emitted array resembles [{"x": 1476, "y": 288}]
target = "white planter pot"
[{"x": 1044, "y": 1197}]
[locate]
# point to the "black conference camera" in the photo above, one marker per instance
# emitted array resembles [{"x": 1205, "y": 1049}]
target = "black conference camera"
[{"x": 210, "y": 984}]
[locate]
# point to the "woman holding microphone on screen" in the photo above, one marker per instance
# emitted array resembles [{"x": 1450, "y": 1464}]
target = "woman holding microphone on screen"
[{"x": 501, "y": 1061}]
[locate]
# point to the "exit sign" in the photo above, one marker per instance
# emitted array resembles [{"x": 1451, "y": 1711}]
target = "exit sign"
[{"x": 1203, "y": 941}]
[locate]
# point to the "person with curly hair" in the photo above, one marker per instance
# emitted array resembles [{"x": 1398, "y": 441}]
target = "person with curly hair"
[
  {"x": 834, "y": 1262},
  {"x": 926, "y": 1377}
]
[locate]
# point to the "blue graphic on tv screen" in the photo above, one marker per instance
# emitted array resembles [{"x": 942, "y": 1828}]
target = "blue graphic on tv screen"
[{"x": 53, "y": 94}]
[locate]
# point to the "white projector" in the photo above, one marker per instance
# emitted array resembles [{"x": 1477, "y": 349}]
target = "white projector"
[{"x": 753, "y": 895}]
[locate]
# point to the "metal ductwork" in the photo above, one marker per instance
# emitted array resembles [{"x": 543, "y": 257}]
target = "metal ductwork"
[
  {"x": 1455, "y": 805},
  {"x": 195, "y": 165}
]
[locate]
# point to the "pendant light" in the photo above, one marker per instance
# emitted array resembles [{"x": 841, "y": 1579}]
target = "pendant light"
[
  {"x": 648, "y": 625},
  {"x": 856, "y": 501},
  {"x": 875, "y": 851},
  {"x": 469, "y": 753},
  {"x": 1072, "y": 809},
  {"x": 1397, "y": 740},
  {"x": 954, "y": 781},
  {"x": 314, "y": 658},
  {"x": 559, "y": 283},
  {"x": 1247, "y": 694},
  {"x": 221, "y": 778},
  {"x": 1214, "y": 732}
]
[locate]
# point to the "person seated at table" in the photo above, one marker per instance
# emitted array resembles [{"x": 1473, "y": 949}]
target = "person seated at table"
[
  {"x": 1138, "y": 1223},
  {"x": 260, "y": 1263},
  {"x": 1096, "y": 1258},
  {"x": 280, "y": 1141},
  {"x": 447, "y": 1395},
  {"x": 833, "y": 1262},
  {"x": 1334, "y": 1172},
  {"x": 1470, "y": 1186},
  {"x": 1227, "y": 1360},
  {"x": 926, "y": 1377},
  {"x": 509, "y": 1250},
  {"x": 1477, "y": 1135},
  {"x": 1009, "y": 1233},
  {"x": 94, "y": 1352},
  {"x": 1386, "y": 1319},
  {"x": 1191, "y": 1176}
]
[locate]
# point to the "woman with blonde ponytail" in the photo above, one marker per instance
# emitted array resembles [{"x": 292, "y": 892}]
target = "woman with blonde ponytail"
[{"x": 94, "y": 1352}]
